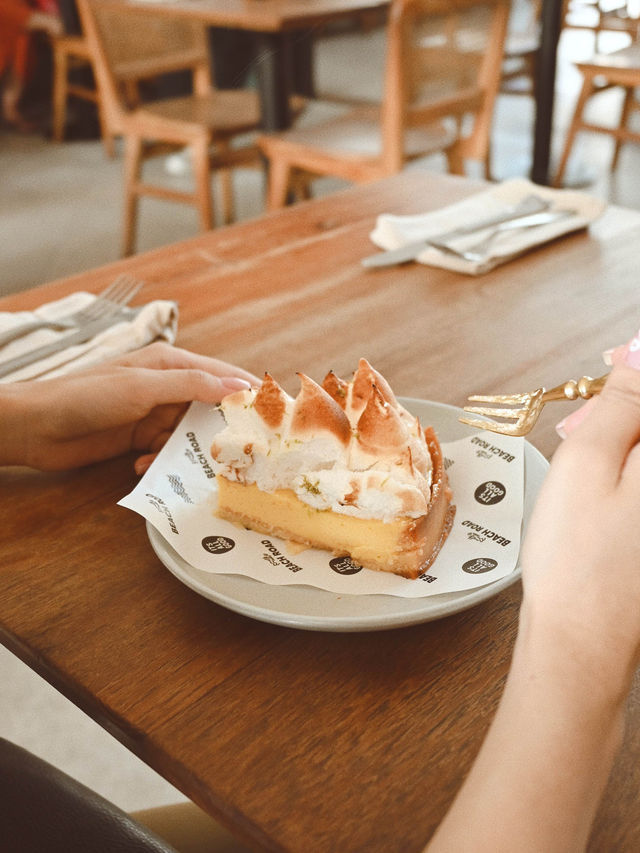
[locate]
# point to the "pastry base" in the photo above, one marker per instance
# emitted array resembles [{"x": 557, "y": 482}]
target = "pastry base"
[{"x": 405, "y": 546}]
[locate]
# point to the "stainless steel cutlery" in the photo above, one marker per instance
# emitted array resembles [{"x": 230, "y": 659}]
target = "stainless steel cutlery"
[
  {"x": 80, "y": 336},
  {"x": 531, "y": 204},
  {"x": 480, "y": 251},
  {"x": 120, "y": 292},
  {"x": 109, "y": 311}
]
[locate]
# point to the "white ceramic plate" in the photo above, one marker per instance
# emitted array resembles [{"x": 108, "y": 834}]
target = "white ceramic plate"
[{"x": 317, "y": 610}]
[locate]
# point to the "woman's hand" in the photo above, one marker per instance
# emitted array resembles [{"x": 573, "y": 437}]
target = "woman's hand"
[
  {"x": 544, "y": 764},
  {"x": 131, "y": 403},
  {"x": 581, "y": 558}
]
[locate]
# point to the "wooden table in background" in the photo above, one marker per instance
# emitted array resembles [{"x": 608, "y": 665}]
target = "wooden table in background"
[
  {"x": 302, "y": 741},
  {"x": 283, "y": 31},
  {"x": 276, "y": 54}
]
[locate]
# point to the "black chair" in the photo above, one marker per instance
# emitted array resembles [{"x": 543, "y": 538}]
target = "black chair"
[{"x": 42, "y": 810}]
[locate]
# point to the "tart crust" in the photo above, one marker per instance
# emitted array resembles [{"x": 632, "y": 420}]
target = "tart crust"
[{"x": 404, "y": 546}]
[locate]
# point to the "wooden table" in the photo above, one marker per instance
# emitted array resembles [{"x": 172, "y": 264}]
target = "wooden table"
[
  {"x": 274, "y": 23},
  {"x": 303, "y": 741}
]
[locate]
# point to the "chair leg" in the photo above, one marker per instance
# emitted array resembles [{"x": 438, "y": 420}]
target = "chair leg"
[
  {"x": 202, "y": 177},
  {"x": 455, "y": 160},
  {"x": 108, "y": 139},
  {"x": 132, "y": 93},
  {"x": 576, "y": 122},
  {"x": 225, "y": 178},
  {"x": 300, "y": 183},
  {"x": 627, "y": 107},
  {"x": 486, "y": 163},
  {"x": 278, "y": 185},
  {"x": 59, "y": 97},
  {"x": 132, "y": 167}
]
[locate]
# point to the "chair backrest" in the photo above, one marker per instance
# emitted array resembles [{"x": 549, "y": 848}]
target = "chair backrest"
[
  {"x": 443, "y": 60},
  {"x": 129, "y": 46},
  {"x": 44, "y": 809}
]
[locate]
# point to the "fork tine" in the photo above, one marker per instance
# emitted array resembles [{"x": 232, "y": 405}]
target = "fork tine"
[
  {"x": 103, "y": 299},
  {"x": 491, "y": 426},
  {"x": 119, "y": 293},
  {"x": 126, "y": 292},
  {"x": 110, "y": 293},
  {"x": 476, "y": 422},
  {"x": 496, "y": 413},
  {"x": 504, "y": 399},
  {"x": 113, "y": 287}
]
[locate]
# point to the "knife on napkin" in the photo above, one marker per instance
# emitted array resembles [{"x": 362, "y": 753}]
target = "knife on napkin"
[
  {"x": 410, "y": 251},
  {"x": 81, "y": 336}
]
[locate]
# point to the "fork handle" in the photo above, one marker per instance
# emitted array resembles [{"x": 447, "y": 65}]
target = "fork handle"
[
  {"x": 585, "y": 387},
  {"x": 20, "y": 330}
]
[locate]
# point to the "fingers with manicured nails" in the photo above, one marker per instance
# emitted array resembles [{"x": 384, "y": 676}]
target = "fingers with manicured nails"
[
  {"x": 143, "y": 463},
  {"x": 163, "y": 356},
  {"x": 182, "y": 385},
  {"x": 612, "y": 423},
  {"x": 629, "y": 354},
  {"x": 573, "y": 420}
]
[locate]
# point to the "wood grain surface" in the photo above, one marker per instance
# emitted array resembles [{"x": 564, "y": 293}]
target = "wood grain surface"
[
  {"x": 303, "y": 741},
  {"x": 259, "y": 15}
]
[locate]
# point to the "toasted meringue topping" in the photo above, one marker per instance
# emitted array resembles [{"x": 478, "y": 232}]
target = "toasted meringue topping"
[
  {"x": 315, "y": 411},
  {"x": 345, "y": 446},
  {"x": 270, "y": 402},
  {"x": 380, "y": 427},
  {"x": 364, "y": 379},
  {"x": 336, "y": 388}
]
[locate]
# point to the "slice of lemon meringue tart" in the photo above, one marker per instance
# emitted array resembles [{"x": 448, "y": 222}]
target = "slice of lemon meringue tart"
[{"x": 343, "y": 466}]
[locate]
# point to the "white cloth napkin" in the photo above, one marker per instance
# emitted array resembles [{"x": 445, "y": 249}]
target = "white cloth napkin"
[
  {"x": 392, "y": 232},
  {"x": 156, "y": 320}
]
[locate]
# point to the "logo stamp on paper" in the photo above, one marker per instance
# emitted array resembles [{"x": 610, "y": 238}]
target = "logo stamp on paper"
[
  {"x": 218, "y": 544},
  {"x": 476, "y": 536},
  {"x": 277, "y": 558},
  {"x": 344, "y": 566},
  {"x": 479, "y": 566},
  {"x": 491, "y": 492}
]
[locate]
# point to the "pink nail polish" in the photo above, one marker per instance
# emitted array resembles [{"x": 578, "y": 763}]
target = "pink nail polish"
[
  {"x": 607, "y": 356},
  {"x": 567, "y": 426},
  {"x": 560, "y": 428},
  {"x": 632, "y": 356},
  {"x": 234, "y": 383}
]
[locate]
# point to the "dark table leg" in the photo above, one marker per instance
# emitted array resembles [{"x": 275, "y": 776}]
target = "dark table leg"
[
  {"x": 302, "y": 59},
  {"x": 232, "y": 57},
  {"x": 284, "y": 64},
  {"x": 545, "y": 89}
]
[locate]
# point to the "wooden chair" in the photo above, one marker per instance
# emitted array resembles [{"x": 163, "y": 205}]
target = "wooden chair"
[
  {"x": 442, "y": 74},
  {"x": 131, "y": 46},
  {"x": 604, "y": 71},
  {"x": 601, "y": 16},
  {"x": 521, "y": 50},
  {"x": 69, "y": 53}
]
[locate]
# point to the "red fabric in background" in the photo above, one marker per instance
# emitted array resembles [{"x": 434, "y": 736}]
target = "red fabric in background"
[{"x": 15, "y": 38}]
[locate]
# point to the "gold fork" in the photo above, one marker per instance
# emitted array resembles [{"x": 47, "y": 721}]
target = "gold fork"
[{"x": 521, "y": 420}]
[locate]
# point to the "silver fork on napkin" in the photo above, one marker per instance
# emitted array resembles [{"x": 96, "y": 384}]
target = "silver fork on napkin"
[
  {"x": 479, "y": 251},
  {"x": 526, "y": 207},
  {"x": 85, "y": 333},
  {"x": 120, "y": 292}
]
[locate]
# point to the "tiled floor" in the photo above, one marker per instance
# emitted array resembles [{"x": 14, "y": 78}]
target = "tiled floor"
[{"x": 59, "y": 214}]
